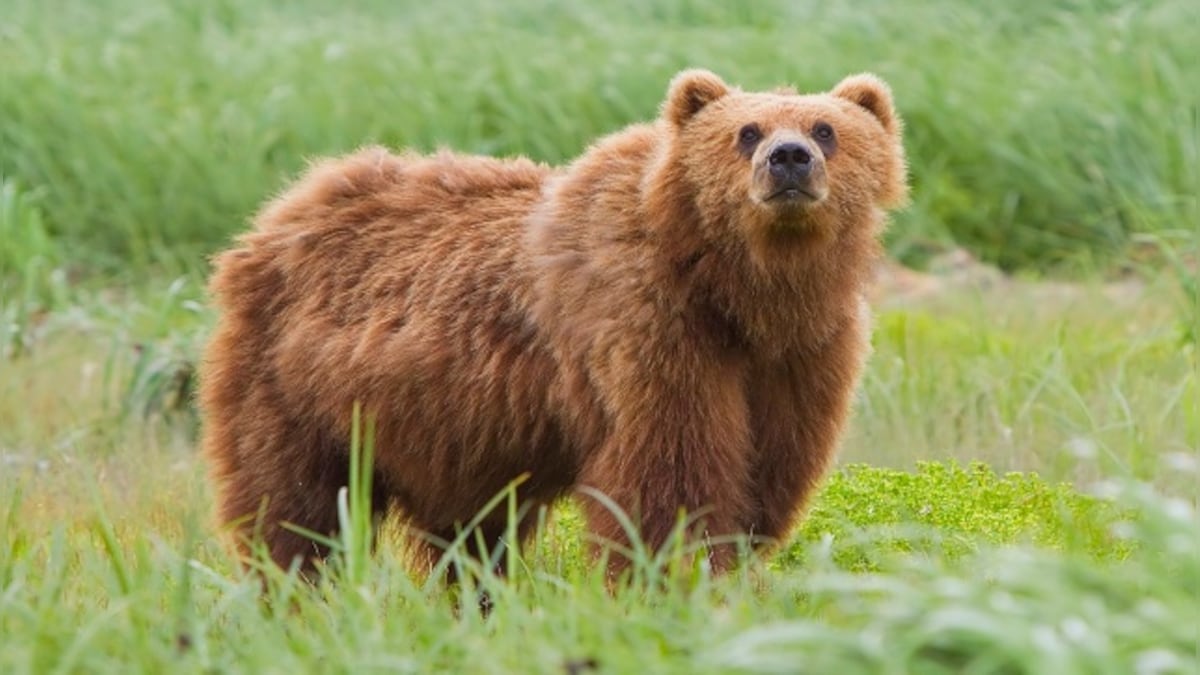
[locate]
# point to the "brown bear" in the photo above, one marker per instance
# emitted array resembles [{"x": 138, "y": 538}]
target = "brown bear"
[{"x": 675, "y": 320}]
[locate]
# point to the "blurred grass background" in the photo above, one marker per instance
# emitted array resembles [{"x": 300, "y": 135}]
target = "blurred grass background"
[{"x": 1042, "y": 135}]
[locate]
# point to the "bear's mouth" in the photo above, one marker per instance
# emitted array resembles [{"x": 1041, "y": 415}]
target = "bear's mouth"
[{"x": 793, "y": 194}]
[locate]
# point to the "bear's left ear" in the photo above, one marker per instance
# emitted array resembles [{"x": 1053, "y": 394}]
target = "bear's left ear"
[
  {"x": 871, "y": 93},
  {"x": 689, "y": 92}
]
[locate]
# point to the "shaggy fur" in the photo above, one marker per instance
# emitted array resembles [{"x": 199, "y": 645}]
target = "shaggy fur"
[{"x": 668, "y": 320}]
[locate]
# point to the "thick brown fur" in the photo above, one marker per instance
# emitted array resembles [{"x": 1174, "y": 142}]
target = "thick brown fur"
[{"x": 648, "y": 321}]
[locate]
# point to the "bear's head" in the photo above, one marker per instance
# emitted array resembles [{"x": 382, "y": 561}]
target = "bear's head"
[{"x": 777, "y": 163}]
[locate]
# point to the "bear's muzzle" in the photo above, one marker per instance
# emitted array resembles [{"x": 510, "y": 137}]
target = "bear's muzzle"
[{"x": 794, "y": 174}]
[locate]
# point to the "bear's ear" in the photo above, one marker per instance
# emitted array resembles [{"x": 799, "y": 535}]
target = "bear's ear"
[
  {"x": 871, "y": 93},
  {"x": 689, "y": 92}
]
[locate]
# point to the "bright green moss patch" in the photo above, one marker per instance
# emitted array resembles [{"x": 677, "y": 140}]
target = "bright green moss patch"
[{"x": 866, "y": 512}]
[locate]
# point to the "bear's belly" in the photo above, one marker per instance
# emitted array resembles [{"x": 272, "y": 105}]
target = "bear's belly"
[
  {"x": 446, "y": 478},
  {"x": 460, "y": 419}
]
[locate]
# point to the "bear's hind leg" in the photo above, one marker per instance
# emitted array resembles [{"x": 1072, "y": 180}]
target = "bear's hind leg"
[
  {"x": 486, "y": 543},
  {"x": 280, "y": 490}
]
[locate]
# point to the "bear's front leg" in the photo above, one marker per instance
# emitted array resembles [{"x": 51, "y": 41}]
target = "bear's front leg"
[
  {"x": 678, "y": 439},
  {"x": 799, "y": 412}
]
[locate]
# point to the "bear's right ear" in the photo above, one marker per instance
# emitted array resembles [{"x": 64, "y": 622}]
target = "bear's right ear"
[{"x": 689, "y": 92}]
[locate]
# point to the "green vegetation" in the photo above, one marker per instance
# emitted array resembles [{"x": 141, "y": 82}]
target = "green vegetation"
[
  {"x": 1075, "y": 383},
  {"x": 1017, "y": 493},
  {"x": 101, "y": 593},
  {"x": 1039, "y": 132},
  {"x": 950, "y": 511}
]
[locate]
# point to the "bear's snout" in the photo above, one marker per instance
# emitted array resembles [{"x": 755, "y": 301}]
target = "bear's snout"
[{"x": 794, "y": 173}]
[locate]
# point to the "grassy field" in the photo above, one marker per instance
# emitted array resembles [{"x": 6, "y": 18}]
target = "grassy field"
[
  {"x": 1017, "y": 493},
  {"x": 1041, "y": 133}
]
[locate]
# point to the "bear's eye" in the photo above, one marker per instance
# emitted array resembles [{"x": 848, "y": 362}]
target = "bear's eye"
[
  {"x": 823, "y": 133},
  {"x": 749, "y": 136}
]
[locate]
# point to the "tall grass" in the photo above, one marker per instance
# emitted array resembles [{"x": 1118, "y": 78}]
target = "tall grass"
[
  {"x": 1074, "y": 383},
  {"x": 33, "y": 277},
  {"x": 115, "y": 593},
  {"x": 1039, "y": 132}
]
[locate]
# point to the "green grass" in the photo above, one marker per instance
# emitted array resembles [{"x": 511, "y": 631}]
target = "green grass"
[
  {"x": 1040, "y": 133},
  {"x": 1017, "y": 491},
  {"x": 32, "y": 274},
  {"x": 1076, "y": 383},
  {"x": 99, "y": 593},
  {"x": 1086, "y": 561}
]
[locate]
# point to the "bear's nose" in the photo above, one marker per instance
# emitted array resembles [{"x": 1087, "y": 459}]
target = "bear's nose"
[{"x": 792, "y": 159}]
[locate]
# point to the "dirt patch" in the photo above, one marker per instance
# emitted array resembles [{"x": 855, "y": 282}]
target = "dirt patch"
[{"x": 957, "y": 272}]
